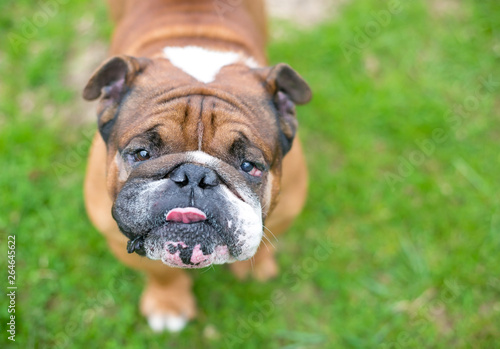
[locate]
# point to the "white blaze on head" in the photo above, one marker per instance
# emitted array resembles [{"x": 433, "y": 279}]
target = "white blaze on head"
[{"x": 204, "y": 64}]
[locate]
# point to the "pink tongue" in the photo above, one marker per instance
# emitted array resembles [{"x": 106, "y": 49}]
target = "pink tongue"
[{"x": 186, "y": 215}]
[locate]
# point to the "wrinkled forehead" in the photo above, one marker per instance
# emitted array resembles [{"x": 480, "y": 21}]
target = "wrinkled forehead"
[{"x": 196, "y": 121}]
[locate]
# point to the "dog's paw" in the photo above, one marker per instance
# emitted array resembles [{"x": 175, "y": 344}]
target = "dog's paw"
[
  {"x": 167, "y": 322},
  {"x": 168, "y": 307}
]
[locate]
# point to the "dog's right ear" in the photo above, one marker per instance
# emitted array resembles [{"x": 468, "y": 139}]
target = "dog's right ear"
[
  {"x": 111, "y": 81},
  {"x": 287, "y": 88}
]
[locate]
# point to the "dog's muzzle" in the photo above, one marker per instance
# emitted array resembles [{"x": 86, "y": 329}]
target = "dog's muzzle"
[{"x": 189, "y": 217}]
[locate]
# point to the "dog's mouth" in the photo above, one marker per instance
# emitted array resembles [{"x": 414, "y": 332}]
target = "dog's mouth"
[
  {"x": 188, "y": 238},
  {"x": 185, "y": 215}
]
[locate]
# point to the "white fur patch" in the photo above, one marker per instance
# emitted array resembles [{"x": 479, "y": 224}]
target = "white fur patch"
[
  {"x": 202, "y": 158},
  {"x": 204, "y": 64},
  {"x": 169, "y": 322},
  {"x": 248, "y": 219}
]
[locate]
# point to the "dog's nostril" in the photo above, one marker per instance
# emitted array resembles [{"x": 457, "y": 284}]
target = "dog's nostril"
[
  {"x": 181, "y": 182},
  {"x": 180, "y": 178},
  {"x": 209, "y": 180},
  {"x": 194, "y": 175}
]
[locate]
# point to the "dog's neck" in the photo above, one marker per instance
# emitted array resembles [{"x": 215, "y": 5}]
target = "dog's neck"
[{"x": 147, "y": 27}]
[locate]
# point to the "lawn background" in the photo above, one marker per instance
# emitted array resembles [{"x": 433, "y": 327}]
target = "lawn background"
[{"x": 412, "y": 238}]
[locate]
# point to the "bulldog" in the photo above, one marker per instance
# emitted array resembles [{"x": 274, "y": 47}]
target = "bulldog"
[{"x": 196, "y": 142}]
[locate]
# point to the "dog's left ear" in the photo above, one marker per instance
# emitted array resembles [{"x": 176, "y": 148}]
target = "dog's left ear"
[
  {"x": 111, "y": 81},
  {"x": 287, "y": 88}
]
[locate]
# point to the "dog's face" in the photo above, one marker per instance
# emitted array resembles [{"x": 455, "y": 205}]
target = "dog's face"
[{"x": 194, "y": 168}]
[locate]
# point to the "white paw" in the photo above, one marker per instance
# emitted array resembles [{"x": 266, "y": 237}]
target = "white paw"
[{"x": 169, "y": 322}]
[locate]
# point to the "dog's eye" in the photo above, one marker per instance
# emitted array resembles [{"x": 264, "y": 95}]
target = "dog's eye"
[
  {"x": 251, "y": 169},
  {"x": 141, "y": 155}
]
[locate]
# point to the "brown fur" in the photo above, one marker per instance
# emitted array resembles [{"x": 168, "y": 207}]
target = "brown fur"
[{"x": 143, "y": 28}]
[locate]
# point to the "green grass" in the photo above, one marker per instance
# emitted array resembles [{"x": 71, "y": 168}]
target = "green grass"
[{"x": 411, "y": 257}]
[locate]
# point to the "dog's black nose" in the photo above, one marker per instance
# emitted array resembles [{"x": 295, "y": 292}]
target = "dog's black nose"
[{"x": 194, "y": 176}]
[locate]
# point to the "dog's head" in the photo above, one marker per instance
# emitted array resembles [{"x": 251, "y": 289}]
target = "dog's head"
[{"x": 193, "y": 168}]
